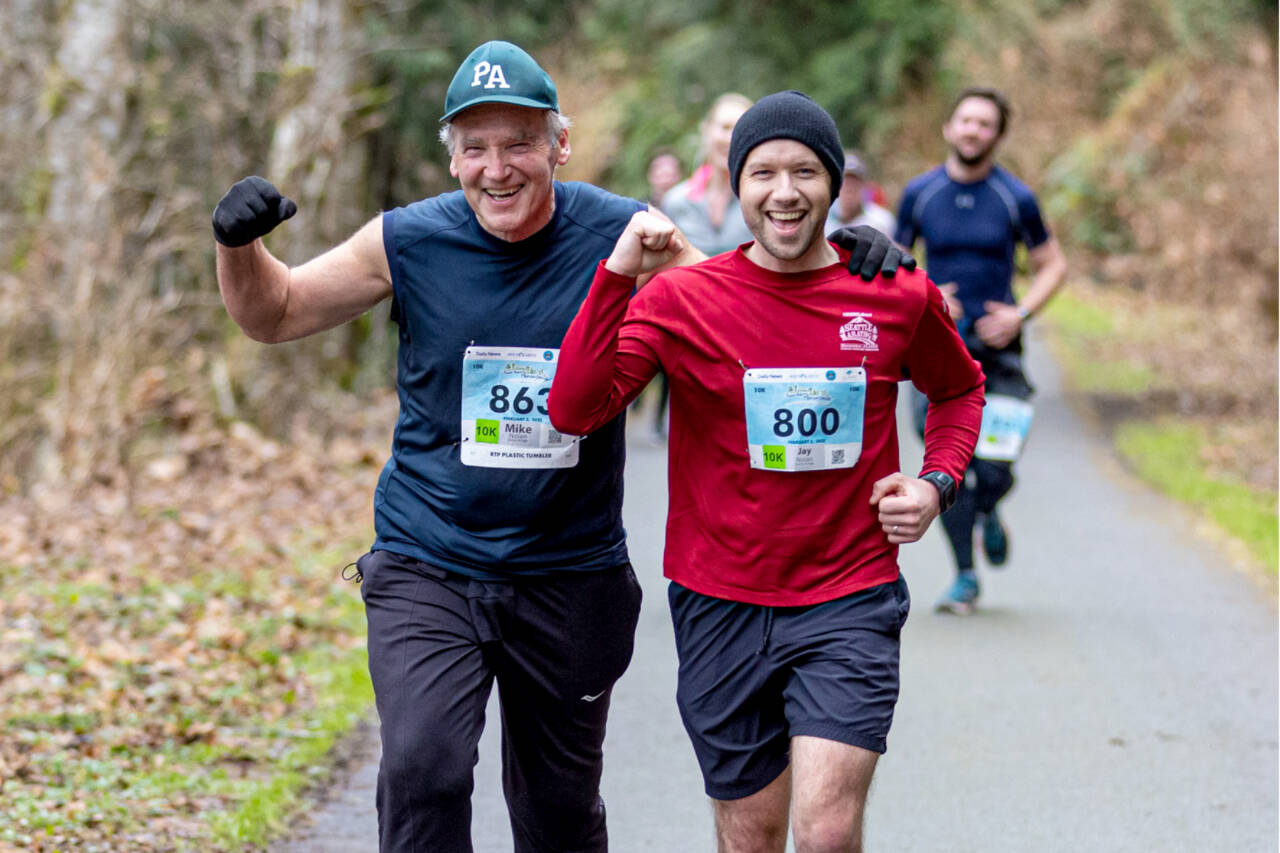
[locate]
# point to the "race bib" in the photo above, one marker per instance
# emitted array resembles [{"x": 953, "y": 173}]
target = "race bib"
[
  {"x": 504, "y": 410},
  {"x": 804, "y": 419},
  {"x": 1005, "y": 423}
]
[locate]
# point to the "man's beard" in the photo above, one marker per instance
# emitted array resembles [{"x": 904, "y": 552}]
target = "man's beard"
[
  {"x": 798, "y": 245},
  {"x": 973, "y": 159}
]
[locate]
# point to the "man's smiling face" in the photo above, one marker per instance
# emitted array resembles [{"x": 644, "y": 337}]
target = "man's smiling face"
[
  {"x": 505, "y": 160},
  {"x": 785, "y": 193}
]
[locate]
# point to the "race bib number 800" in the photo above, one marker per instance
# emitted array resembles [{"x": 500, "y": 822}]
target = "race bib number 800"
[
  {"x": 504, "y": 410},
  {"x": 804, "y": 419}
]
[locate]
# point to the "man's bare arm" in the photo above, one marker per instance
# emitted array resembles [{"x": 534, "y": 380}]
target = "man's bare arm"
[
  {"x": 1002, "y": 322},
  {"x": 272, "y": 302},
  {"x": 1049, "y": 271}
]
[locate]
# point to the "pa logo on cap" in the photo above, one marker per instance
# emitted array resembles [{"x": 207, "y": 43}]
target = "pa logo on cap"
[
  {"x": 499, "y": 72},
  {"x": 492, "y": 74}
]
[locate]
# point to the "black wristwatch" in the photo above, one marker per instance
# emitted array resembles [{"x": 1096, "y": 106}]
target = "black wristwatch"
[{"x": 946, "y": 487}]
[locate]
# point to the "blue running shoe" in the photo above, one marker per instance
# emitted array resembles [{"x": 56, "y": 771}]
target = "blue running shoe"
[
  {"x": 961, "y": 597},
  {"x": 995, "y": 541}
]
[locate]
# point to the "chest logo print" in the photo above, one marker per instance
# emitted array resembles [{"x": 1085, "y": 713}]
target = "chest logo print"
[{"x": 859, "y": 333}]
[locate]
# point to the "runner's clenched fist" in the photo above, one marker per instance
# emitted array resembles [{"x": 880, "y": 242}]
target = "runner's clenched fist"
[{"x": 249, "y": 210}]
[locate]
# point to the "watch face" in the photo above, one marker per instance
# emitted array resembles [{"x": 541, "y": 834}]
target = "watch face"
[{"x": 946, "y": 487}]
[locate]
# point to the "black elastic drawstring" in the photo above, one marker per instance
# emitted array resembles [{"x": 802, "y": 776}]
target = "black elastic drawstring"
[
  {"x": 356, "y": 576},
  {"x": 768, "y": 630}
]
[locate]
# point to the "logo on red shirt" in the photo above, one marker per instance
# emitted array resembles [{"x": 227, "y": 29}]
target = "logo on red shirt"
[{"x": 859, "y": 333}]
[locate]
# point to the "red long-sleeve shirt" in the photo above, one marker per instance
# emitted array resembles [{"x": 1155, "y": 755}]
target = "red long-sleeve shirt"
[{"x": 762, "y": 536}]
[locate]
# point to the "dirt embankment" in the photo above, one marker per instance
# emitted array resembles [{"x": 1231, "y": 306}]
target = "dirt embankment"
[{"x": 1152, "y": 142}]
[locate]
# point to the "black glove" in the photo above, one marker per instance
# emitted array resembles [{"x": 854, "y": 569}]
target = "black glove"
[
  {"x": 250, "y": 209},
  {"x": 871, "y": 252}
]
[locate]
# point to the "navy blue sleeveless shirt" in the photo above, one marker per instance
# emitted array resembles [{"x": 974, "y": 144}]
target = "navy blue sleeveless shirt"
[{"x": 455, "y": 285}]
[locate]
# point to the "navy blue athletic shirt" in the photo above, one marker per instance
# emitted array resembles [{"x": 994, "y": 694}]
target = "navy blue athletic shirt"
[
  {"x": 456, "y": 285},
  {"x": 970, "y": 232}
]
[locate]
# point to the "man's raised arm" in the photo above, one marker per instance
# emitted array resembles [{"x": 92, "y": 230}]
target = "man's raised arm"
[
  {"x": 594, "y": 380},
  {"x": 272, "y": 302}
]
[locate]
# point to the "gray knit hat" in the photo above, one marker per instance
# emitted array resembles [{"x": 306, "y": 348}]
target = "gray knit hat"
[{"x": 788, "y": 115}]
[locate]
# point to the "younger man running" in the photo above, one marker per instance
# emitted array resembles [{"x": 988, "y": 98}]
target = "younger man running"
[
  {"x": 786, "y": 505},
  {"x": 971, "y": 214}
]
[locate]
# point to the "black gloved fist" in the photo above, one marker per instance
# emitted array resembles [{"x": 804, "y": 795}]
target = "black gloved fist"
[
  {"x": 871, "y": 252},
  {"x": 250, "y": 209}
]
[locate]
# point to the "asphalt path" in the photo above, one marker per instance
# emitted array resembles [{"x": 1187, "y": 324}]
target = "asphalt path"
[{"x": 1115, "y": 691}]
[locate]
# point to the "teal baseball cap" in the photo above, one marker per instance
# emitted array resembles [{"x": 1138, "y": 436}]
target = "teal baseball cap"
[{"x": 498, "y": 72}]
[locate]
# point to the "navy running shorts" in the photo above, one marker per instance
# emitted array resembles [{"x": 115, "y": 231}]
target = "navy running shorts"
[{"x": 752, "y": 677}]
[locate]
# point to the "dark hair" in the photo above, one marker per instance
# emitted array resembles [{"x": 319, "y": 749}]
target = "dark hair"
[
  {"x": 662, "y": 151},
  {"x": 995, "y": 96}
]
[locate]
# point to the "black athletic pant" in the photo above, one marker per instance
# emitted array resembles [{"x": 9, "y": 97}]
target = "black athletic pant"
[
  {"x": 437, "y": 641},
  {"x": 985, "y": 481}
]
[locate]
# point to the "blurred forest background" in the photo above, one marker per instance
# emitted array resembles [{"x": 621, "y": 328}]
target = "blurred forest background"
[
  {"x": 1148, "y": 128},
  {"x": 166, "y": 484}
]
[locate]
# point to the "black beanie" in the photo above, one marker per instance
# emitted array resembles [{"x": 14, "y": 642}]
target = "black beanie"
[{"x": 788, "y": 115}]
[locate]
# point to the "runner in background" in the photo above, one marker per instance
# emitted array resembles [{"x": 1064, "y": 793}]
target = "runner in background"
[
  {"x": 787, "y": 507},
  {"x": 663, "y": 173},
  {"x": 971, "y": 214},
  {"x": 704, "y": 206},
  {"x": 854, "y": 206}
]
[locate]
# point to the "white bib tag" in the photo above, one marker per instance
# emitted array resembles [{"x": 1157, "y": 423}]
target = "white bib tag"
[
  {"x": 504, "y": 410},
  {"x": 1005, "y": 423},
  {"x": 804, "y": 418}
]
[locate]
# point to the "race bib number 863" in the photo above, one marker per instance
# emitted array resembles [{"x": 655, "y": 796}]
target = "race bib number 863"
[{"x": 504, "y": 410}]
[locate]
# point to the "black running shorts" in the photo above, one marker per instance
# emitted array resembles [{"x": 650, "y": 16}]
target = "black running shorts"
[{"x": 752, "y": 677}]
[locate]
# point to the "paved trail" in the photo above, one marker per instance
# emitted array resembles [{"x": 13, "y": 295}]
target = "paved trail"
[{"x": 1117, "y": 690}]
